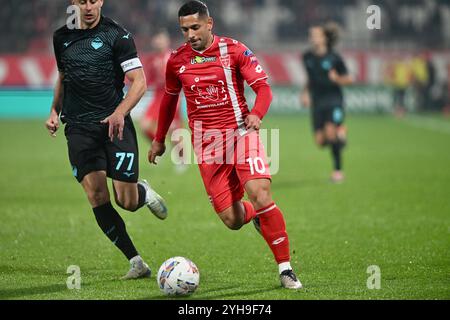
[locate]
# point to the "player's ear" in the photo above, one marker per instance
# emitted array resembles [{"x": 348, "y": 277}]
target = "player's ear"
[{"x": 210, "y": 23}]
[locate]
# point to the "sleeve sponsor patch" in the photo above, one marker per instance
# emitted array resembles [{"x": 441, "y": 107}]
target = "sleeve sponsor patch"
[{"x": 248, "y": 53}]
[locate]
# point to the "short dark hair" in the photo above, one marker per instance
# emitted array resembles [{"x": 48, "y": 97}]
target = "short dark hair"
[{"x": 193, "y": 7}]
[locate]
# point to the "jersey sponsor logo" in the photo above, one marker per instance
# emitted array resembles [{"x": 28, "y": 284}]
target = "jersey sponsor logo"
[
  {"x": 182, "y": 69},
  {"x": 97, "y": 43},
  {"x": 212, "y": 93},
  {"x": 200, "y": 60}
]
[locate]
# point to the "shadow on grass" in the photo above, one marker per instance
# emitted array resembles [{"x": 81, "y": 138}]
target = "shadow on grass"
[
  {"x": 25, "y": 293},
  {"x": 215, "y": 294},
  {"x": 300, "y": 183}
]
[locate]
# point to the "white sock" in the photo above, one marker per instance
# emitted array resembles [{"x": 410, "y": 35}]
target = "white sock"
[{"x": 284, "y": 266}]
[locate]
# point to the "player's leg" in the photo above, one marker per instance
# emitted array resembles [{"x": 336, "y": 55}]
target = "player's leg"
[
  {"x": 88, "y": 160},
  {"x": 273, "y": 229},
  {"x": 255, "y": 176},
  {"x": 318, "y": 123},
  {"x": 123, "y": 168},
  {"x": 332, "y": 135},
  {"x": 108, "y": 219},
  {"x": 225, "y": 193},
  {"x": 234, "y": 216}
]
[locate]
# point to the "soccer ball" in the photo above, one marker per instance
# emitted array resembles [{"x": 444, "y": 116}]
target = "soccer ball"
[{"x": 178, "y": 276}]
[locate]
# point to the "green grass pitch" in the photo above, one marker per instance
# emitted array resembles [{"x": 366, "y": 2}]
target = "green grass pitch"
[{"x": 393, "y": 211}]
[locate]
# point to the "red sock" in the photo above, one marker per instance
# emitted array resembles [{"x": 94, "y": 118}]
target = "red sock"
[
  {"x": 250, "y": 212},
  {"x": 273, "y": 229}
]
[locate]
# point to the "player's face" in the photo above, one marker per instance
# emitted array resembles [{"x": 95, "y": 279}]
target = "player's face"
[
  {"x": 197, "y": 31},
  {"x": 317, "y": 37},
  {"x": 90, "y": 10}
]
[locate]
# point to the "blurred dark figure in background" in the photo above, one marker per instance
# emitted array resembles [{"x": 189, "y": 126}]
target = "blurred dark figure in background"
[
  {"x": 423, "y": 76},
  {"x": 327, "y": 74},
  {"x": 399, "y": 76}
]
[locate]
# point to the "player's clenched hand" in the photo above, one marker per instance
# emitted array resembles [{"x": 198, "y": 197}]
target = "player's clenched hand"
[
  {"x": 116, "y": 122},
  {"x": 52, "y": 123},
  {"x": 157, "y": 150},
  {"x": 252, "y": 122}
]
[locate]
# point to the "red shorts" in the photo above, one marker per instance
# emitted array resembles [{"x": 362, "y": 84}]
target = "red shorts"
[
  {"x": 224, "y": 182},
  {"x": 152, "y": 112}
]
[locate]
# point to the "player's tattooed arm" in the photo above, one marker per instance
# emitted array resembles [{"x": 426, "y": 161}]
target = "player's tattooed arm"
[
  {"x": 52, "y": 123},
  {"x": 138, "y": 86}
]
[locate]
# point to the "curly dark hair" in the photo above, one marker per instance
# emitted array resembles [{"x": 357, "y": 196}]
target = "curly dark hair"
[{"x": 332, "y": 32}]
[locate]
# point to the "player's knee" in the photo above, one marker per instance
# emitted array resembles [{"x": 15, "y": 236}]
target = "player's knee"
[
  {"x": 126, "y": 203},
  {"x": 331, "y": 134},
  {"x": 98, "y": 197},
  {"x": 320, "y": 140},
  {"x": 233, "y": 224},
  {"x": 231, "y": 221},
  {"x": 261, "y": 198}
]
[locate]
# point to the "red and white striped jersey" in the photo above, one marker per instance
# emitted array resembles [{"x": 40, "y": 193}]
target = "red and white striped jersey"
[{"x": 213, "y": 82}]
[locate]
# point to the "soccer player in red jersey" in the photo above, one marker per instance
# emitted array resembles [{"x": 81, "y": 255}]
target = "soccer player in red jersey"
[
  {"x": 156, "y": 74},
  {"x": 211, "y": 71}
]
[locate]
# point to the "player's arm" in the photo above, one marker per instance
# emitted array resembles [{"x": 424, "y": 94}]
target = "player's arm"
[
  {"x": 125, "y": 54},
  {"x": 137, "y": 88},
  {"x": 52, "y": 122},
  {"x": 166, "y": 115},
  {"x": 341, "y": 80},
  {"x": 254, "y": 75},
  {"x": 262, "y": 103},
  {"x": 305, "y": 96},
  {"x": 167, "y": 111},
  {"x": 339, "y": 74}
]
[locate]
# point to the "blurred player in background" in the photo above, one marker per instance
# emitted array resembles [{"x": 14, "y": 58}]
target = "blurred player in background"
[
  {"x": 156, "y": 73},
  {"x": 93, "y": 62},
  {"x": 327, "y": 73},
  {"x": 211, "y": 71}
]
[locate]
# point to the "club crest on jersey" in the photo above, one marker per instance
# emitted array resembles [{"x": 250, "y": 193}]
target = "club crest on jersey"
[
  {"x": 200, "y": 60},
  {"x": 97, "y": 43},
  {"x": 226, "y": 61}
]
